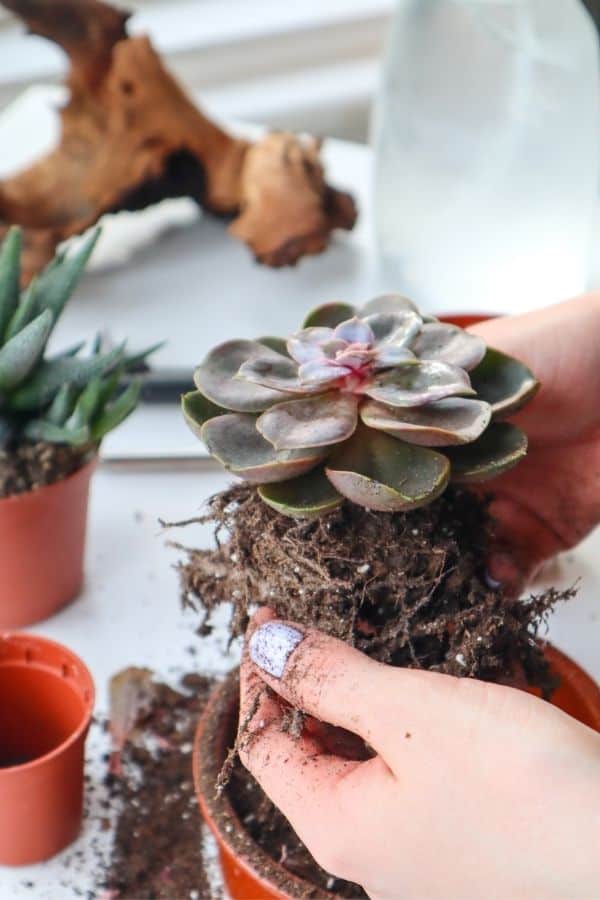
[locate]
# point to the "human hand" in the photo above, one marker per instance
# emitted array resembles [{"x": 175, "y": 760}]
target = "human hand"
[
  {"x": 551, "y": 500},
  {"x": 477, "y": 790}
]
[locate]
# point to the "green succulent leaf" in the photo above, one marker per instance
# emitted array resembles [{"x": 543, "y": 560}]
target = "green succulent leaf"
[
  {"x": 25, "y": 312},
  {"x": 42, "y": 430},
  {"x": 73, "y": 350},
  {"x": 217, "y": 378},
  {"x": 87, "y": 404},
  {"x": 455, "y": 420},
  {"x": 329, "y": 315},
  {"x": 116, "y": 412},
  {"x": 306, "y": 497},
  {"x": 379, "y": 472},
  {"x": 449, "y": 344},
  {"x": 20, "y": 355},
  {"x": 389, "y": 303},
  {"x": 313, "y": 422},
  {"x": 111, "y": 383},
  {"x": 62, "y": 406},
  {"x": 498, "y": 449},
  {"x": 10, "y": 270},
  {"x": 235, "y": 442},
  {"x": 57, "y": 281},
  {"x": 137, "y": 361},
  {"x": 198, "y": 410},
  {"x": 503, "y": 382},
  {"x": 418, "y": 383},
  {"x": 50, "y": 375}
]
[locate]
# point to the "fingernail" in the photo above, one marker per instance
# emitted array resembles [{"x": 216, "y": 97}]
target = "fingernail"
[
  {"x": 271, "y": 645},
  {"x": 492, "y": 582}
]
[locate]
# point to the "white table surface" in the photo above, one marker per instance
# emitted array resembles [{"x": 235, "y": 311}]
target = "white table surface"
[{"x": 195, "y": 287}]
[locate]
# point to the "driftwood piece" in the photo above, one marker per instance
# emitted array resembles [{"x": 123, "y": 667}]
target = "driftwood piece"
[{"x": 131, "y": 137}]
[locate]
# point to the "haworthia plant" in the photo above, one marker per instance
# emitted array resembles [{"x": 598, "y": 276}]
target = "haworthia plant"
[
  {"x": 65, "y": 398},
  {"x": 380, "y": 405}
]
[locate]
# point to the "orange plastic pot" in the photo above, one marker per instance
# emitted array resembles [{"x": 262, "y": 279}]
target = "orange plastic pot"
[
  {"x": 249, "y": 873},
  {"x": 463, "y": 320},
  {"x": 42, "y": 541},
  {"x": 46, "y": 703}
]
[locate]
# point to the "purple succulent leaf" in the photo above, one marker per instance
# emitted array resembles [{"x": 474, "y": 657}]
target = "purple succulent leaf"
[
  {"x": 273, "y": 371},
  {"x": 354, "y": 358},
  {"x": 388, "y": 355},
  {"x": 314, "y": 422},
  {"x": 450, "y": 344},
  {"x": 398, "y": 328},
  {"x": 389, "y": 303},
  {"x": 354, "y": 331},
  {"x": 418, "y": 383},
  {"x": 382, "y": 473},
  {"x": 216, "y": 378},
  {"x": 331, "y": 349},
  {"x": 320, "y": 372},
  {"x": 453, "y": 421},
  {"x": 235, "y": 442},
  {"x": 308, "y": 343}
]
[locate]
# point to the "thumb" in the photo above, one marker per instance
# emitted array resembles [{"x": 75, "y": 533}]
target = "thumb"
[{"x": 337, "y": 684}]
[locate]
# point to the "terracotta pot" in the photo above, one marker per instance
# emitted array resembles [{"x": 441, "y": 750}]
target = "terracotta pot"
[
  {"x": 463, "y": 320},
  {"x": 249, "y": 873},
  {"x": 42, "y": 540},
  {"x": 46, "y": 703}
]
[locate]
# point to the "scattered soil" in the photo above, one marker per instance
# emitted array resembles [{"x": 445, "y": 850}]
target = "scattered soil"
[
  {"x": 157, "y": 850},
  {"x": 408, "y": 589},
  {"x": 30, "y": 466}
]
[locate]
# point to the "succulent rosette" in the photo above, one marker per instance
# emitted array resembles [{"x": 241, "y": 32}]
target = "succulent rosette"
[{"x": 352, "y": 405}]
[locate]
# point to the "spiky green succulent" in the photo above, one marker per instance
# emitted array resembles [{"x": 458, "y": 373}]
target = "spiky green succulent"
[
  {"x": 66, "y": 398},
  {"x": 352, "y": 405}
]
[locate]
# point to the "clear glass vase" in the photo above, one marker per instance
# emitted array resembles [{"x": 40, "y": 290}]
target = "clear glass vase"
[{"x": 486, "y": 137}]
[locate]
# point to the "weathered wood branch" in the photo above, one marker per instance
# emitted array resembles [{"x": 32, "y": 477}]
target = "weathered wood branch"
[{"x": 131, "y": 137}]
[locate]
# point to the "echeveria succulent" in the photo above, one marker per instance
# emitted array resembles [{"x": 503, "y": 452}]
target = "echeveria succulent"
[
  {"x": 65, "y": 398},
  {"x": 352, "y": 405}
]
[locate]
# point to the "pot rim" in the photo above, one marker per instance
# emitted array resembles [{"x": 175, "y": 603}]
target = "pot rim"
[
  {"x": 87, "y": 694},
  {"x": 36, "y": 492},
  {"x": 226, "y": 692}
]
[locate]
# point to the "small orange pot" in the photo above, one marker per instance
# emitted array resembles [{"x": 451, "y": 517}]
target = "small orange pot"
[
  {"x": 42, "y": 541},
  {"x": 463, "y": 320},
  {"x": 46, "y": 703},
  {"x": 249, "y": 873}
]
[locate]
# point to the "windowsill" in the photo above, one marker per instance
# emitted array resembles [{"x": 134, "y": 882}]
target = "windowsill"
[
  {"x": 310, "y": 66},
  {"x": 224, "y": 40}
]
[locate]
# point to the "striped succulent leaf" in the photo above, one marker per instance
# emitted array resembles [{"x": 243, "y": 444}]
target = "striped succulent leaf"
[{"x": 66, "y": 398}]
